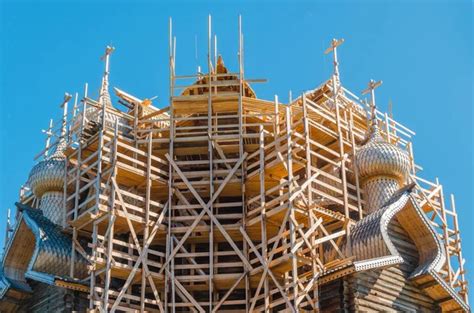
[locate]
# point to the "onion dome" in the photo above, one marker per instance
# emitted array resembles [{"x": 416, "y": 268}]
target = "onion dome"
[
  {"x": 380, "y": 158},
  {"x": 48, "y": 175}
]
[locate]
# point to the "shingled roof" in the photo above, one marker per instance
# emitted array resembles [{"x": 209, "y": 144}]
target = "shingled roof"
[
  {"x": 373, "y": 247},
  {"x": 38, "y": 250}
]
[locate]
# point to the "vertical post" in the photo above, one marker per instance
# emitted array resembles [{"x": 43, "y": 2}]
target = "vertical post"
[
  {"x": 75, "y": 106},
  {"x": 387, "y": 127},
  {"x": 98, "y": 181},
  {"x": 215, "y": 51},
  {"x": 243, "y": 53},
  {"x": 294, "y": 264},
  {"x": 309, "y": 194},
  {"x": 241, "y": 152},
  {"x": 111, "y": 221},
  {"x": 241, "y": 50},
  {"x": 241, "y": 71},
  {"x": 64, "y": 105},
  {"x": 136, "y": 109},
  {"x": 169, "y": 275},
  {"x": 335, "y": 94},
  {"x": 276, "y": 128},
  {"x": 445, "y": 232},
  {"x": 412, "y": 158},
  {"x": 173, "y": 288},
  {"x": 393, "y": 127},
  {"x": 354, "y": 160},
  {"x": 307, "y": 148},
  {"x": 74, "y": 112},
  {"x": 263, "y": 217},
  {"x": 210, "y": 157},
  {"x": 463, "y": 282},
  {"x": 174, "y": 52},
  {"x": 147, "y": 217},
  {"x": 65, "y": 194},
  {"x": 129, "y": 262},
  {"x": 84, "y": 108},
  {"x": 93, "y": 267},
  {"x": 103, "y": 116},
  {"x": 99, "y": 174},
  {"x": 64, "y": 137},
  {"x": 78, "y": 182}
]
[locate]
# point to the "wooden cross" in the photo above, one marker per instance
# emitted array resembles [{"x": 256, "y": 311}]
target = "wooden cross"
[
  {"x": 333, "y": 47},
  {"x": 106, "y": 57},
  {"x": 371, "y": 88},
  {"x": 108, "y": 52}
]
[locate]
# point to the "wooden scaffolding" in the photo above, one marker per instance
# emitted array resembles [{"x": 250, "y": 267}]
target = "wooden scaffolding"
[{"x": 223, "y": 201}]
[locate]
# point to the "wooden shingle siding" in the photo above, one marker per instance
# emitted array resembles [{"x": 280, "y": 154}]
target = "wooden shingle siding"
[{"x": 389, "y": 289}]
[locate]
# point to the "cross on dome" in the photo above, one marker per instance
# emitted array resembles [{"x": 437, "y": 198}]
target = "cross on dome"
[
  {"x": 104, "y": 97},
  {"x": 372, "y": 85},
  {"x": 333, "y": 48}
]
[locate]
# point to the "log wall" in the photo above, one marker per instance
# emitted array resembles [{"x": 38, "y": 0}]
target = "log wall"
[{"x": 47, "y": 298}]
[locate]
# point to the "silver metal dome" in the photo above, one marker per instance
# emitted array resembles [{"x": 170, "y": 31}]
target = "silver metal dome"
[
  {"x": 48, "y": 175},
  {"x": 380, "y": 158}
]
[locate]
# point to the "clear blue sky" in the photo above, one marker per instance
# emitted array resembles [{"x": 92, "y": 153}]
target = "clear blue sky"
[{"x": 422, "y": 50}]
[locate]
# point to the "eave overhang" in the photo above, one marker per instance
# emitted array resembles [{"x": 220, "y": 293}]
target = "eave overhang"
[
  {"x": 45, "y": 255},
  {"x": 373, "y": 248}
]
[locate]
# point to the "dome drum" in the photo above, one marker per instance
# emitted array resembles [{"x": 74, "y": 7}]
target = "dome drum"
[{"x": 52, "y": 205}]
